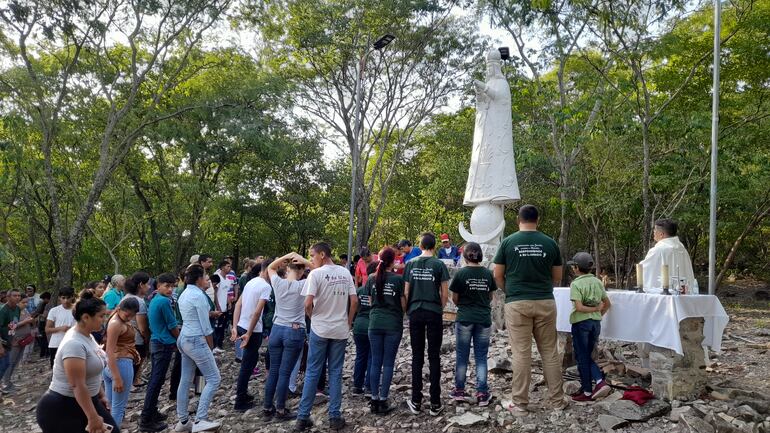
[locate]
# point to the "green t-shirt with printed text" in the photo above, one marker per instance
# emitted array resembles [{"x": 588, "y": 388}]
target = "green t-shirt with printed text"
[{"x": 473, "y": 285}]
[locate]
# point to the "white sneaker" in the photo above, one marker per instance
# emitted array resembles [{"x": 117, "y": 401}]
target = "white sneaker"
[
  {"x": 184, "y": 427},
  {"x": 217, "y": 351},
  {"x": 205, "y": 425}
]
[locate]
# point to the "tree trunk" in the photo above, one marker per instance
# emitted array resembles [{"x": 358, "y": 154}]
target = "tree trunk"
[
  {"x": 756, "y": 219},
  {"x": 646, "y": 235}
]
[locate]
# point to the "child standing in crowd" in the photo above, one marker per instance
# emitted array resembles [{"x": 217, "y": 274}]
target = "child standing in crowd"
[
  {"x": 164, "y": 332},
  {"x": 472, "y": 289},
  {"x": 363, "y": 362},
  {"x": 59, "y": 320},
  {"x": 121, "y": 357},
  {"x": 590, "y": 303},
  {"x": 386, "y": 322}
]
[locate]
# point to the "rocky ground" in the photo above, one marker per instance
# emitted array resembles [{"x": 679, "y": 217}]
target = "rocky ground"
[{"x": 736, "y": 400}]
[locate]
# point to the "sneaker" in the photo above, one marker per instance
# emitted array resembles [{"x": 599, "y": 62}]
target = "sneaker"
[
  {"x": 459, "y": 395},
  {"x": 205, "y": 425},
  {"x": 357, "y": 391},
  {"x": 601, "y": 390},
  {"x": 303, "y": 424},
  {"x": 267, "y": 414},
  {"x": 218, "y": 351},
  {"x": 483, "y": 398},
  {"x": 243, "y": 406},
  {"x": 367, "y": 394},
  {"x": 517, "y": 409},
  {"x": 152, "y": 426},
  {"x": 284, "y": 415},
  {"x": 384, "y": 407},
  {"x": 374, "y": 406},
  {"x": 336, "y": 423},
  {"x": 582, "y": 397},
  {"x": 248, "y": 397},
  {"x": 436, "y": 409},
  {"x": 415, "y": 408},
  {"x": 157, "y": 416},
  {"x": 183, "y": 426}
]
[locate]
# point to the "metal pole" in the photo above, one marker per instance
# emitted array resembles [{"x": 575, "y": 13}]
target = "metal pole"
[
  {"x": 354, "y": 153},
  {"x": 714, "y": 142}
]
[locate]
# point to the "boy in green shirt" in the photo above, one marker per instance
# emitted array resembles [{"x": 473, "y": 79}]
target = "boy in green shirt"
[{"x": 590, "y": 303}]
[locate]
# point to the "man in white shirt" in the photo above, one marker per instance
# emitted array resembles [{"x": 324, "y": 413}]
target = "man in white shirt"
[
  {"x": 668, "y": 250},
  {"x": 328, "y": 290},
  {"x": 222, "y": 302},
  {"x": 248, "y": 318}
]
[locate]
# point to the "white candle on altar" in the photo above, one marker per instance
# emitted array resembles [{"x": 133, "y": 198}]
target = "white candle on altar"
[
  {"x": 639, "y": 275},
  {"x": 664, "y": 276}
]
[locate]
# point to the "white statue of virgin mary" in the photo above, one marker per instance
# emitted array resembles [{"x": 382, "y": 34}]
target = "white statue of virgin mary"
[{"x": 492, "y": 175}]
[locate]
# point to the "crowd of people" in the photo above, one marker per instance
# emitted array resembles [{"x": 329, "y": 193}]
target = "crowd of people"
[{"x": 305, "y": 311}]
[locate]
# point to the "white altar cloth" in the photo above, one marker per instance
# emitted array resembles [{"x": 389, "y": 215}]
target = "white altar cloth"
[{"x": 650, "y": 318}]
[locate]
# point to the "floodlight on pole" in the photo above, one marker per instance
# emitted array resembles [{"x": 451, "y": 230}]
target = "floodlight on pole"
[
  {"x": 714, "y": 148},
  {"x": 383, "y": 42},
  {"x": 378, "y": 45},
  {"x": 505, "y": 53}
]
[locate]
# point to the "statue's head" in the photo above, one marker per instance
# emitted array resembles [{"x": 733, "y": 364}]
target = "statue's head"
[{"x": 494, "y": 63}]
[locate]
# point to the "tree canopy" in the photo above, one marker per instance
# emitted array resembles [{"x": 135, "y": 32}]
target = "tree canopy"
[{"x": 135, "y": 134}]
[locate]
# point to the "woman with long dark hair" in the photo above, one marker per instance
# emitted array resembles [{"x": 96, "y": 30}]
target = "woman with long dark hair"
[
  {"x": 137, "y": 288},
  {"x": 75, "y": 399},
  {"x": 121, "y": 357},
  {"x": 386, "y": 323}
]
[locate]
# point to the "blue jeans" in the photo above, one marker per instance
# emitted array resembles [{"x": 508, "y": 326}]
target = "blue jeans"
[
  {"x": 363, "y": 364},
  {"x": 248, "y": 362},
  {"x": 161, "y": 359},
  {"x": 480, "y": 335},
  {"x": 196, "y": 353},
  {"x": 295, "y": 371},
  {"x": 118, "y": 400},
  {"x": 585, "y": 334},
  {"x": 285, "y": 345},
  {"x": 384, "y": 348},
  {"x": 4, "y": 361},
  {"x": 319, "y": 350}
]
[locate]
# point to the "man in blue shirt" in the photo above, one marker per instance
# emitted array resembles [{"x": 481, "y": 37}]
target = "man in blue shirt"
[
  {"x": 406, "y": 248},
  {"x": 164, "y": 331},
  {"x": 447, "y": 250}
]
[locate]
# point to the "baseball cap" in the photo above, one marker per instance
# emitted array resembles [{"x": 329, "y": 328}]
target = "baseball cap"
[
  {"x": 444, "y": 237},
  {"x": 194, "y": 259},
  {"x": 582, "y": 260}
]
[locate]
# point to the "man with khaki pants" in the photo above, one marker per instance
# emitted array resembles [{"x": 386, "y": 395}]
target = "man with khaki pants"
[{"x": 528, "y": 265}]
